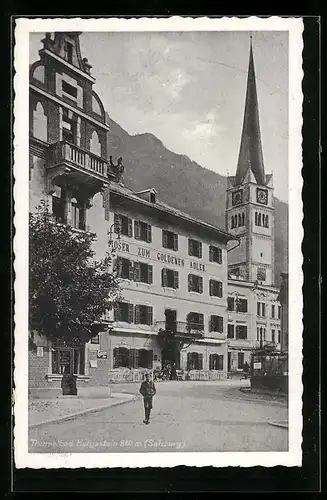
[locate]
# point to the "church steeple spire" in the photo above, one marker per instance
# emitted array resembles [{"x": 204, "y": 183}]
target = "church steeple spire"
[{"x": 250, "y": 155}]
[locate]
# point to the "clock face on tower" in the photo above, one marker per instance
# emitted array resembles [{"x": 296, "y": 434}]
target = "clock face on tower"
[
  {"x": 262, "y": 196},
  {"x": 237, "y": 197}
]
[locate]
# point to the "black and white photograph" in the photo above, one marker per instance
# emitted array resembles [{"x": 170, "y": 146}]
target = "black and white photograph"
[{"x": 158, "y": 242}]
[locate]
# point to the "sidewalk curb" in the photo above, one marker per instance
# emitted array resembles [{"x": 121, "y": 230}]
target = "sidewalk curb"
[{"x": 83, "y": 412}]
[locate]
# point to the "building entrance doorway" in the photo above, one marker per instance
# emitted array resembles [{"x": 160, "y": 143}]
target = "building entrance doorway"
[
  {"x": 171, "y": 317},
  {"x": 170, "y": 355},
  {"x": 229, "y": 361}
]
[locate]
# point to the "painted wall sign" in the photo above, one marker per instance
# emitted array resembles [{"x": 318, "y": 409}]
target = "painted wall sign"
[
  {"x": 102, "y": 354},
  {"x": 119, "y": 245},
  {"x": 39, "y": 352},
  {"x": 197, "y": 266},
  {"x": 143, "y": 252},
  {"x": 170, "y": 259},
  {"x": 93, "y": 363}
]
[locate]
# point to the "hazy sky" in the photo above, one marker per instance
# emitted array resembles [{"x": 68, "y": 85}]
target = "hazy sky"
[{"x": 188, "y": 89}]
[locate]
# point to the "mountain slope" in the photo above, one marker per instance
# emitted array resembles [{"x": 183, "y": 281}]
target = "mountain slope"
[{"x": 183, "y": 183}]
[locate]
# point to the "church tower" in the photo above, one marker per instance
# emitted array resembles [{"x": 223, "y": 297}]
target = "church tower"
[{"x": 250, "y": 200}]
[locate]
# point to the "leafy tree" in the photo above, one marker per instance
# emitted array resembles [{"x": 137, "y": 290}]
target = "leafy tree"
[{"x": 68, "y": 289}]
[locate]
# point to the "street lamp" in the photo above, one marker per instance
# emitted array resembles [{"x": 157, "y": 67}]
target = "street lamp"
[{"x": 117, "y": 229}]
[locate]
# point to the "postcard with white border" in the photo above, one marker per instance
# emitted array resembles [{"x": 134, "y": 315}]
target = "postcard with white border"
[{"x": 157, "y": 248}]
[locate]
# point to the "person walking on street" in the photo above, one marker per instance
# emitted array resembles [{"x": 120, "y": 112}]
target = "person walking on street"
[{"x": 148, "y": 390}]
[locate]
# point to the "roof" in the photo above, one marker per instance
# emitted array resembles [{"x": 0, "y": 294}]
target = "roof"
[{"x": 163, "y": 207}]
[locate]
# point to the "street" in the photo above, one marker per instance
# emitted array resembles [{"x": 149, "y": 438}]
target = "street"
[{"x": 186, "y": 416}]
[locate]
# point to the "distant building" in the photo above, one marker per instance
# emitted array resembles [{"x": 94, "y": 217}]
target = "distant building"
[
  {"x": 254, "y": 312},
  {"x": 173, "y": 267}
]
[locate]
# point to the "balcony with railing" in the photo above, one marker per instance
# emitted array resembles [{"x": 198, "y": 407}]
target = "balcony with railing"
[
  {"x": 181, "y": 329},
  {"x": 69, "y": 160}
]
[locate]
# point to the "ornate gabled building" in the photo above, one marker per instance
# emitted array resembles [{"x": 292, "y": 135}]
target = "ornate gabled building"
[{"x": 254, "y": 312}]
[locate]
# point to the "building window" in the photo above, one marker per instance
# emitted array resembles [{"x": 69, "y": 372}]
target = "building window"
[
  {"x": 143, "y": 272},
  {"x": 123, "y": 311},
  {"x": 69, "y": 89},
  {"x": 216, "y": 362},
  {"x": 121, "y": 357},
  {"x": 215, "y": 288},
  {"x": 241, "y": 332},
  {"x": 261, "y": 274},
  {"x": 279, "y": 337},
  {"x": 69, "y": 52},
  {"x": 123, "y": 225},
  {"x": 68, "y": 361},
  {"x": 273, "y": 336},
  {"x": 195, "y": 283},
  {"x": 169, "y": 240},
  {"x": 195, "y": 248},
  {"x": 230, "y": 303},
  {"x": 69, "y": 127},
  {"x": 142, "y": 231},
  {"x": 241, "y": 305},
  {"x": 215, "y": 254},
  {"x": 78, "y": 214},
  {"x": 95, "y": 340},
  {"x": 273, "y": 310},
  {"x": 240, "y": 360},
  {"x": 194, "y": 361},
  {"x": 279, "y": 312},
  {"x": 261, "y": 309},
  {"x": 216, "y": 324},
  {"x": 59, "y": 205},
  {"x": 40, "y": 123},
  {"x": 124, "y": 268},
  {"x": 195, "y": 321},
  {"x": 230, "y": 331},
  {"x": 169, "y": 278},
  {"x": 143, "y": 315}
]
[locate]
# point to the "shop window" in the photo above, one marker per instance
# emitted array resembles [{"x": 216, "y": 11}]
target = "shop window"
[
  {"x": 124, "y": 311},
  {"x": 169, "y": 278},
  {"x": 216, "y": 324},
  {"x": 194, "y": 361},
  {"x": 216, "y": 362},
  {"x": 143, "y": 315},
  {"x": 142, "y": 231},
  {"x": 195, "y": 248},
  {"x": 123, "y": 225},
  {"x": 68, "y": 361},
  {"x": 169, "y": 240},
  {"x": 230, "y": 331},
  {"x": 195, "y": 283}
]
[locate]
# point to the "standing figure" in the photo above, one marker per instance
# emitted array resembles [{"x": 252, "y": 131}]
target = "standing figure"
[{"x": 148, "y": 390}]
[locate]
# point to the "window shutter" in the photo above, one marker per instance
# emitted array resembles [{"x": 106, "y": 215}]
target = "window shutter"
[
  {"x": 131, "y": 271},
  {"x": 164, "y": 277},
  {"x": 116, "y": 357},
  {"x": 130, "y": 228},
  {"x": 117, "y": 222},
  {"x": 210, "y": 287},
  {"x": 200, "y": 361},
  {"x": 211, "y": 324},
  {"x": 130, "y": 313},
  {"x": 117, "y": 267},
  {"x": 137, "y": 230},
  {"x": 220, "y": 289},
  {"x": 137, "y": 314},
  {"x": 211, "y": 258},
  {"x": 190, "y": 247},
  {"x": 150, "y": 274},
  {"x": 200, "y": 250},
  {"x": 188, "y": 362},
  {"x": 176, "y": 284},
  {"x": 175, "y": 241},
  {"x": 221, "y": 362},
  {"x": 201, "y": 285},
  {"x": 164, "y": 238},
  {"x": 190, "y": 283},
  {"x": 136, "y": 358},
  {"x": 150, "y": 359},
  {"x": 137, "y": 271},
  {"x": 148, "y": 233},
  {"x": 220, "y": 324},
  {"x": 116, "y": 312},
  {"x": 220, "y": 255},
  {"x": 131, "y": 358},
  {"x": 149, "y": 315}
]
